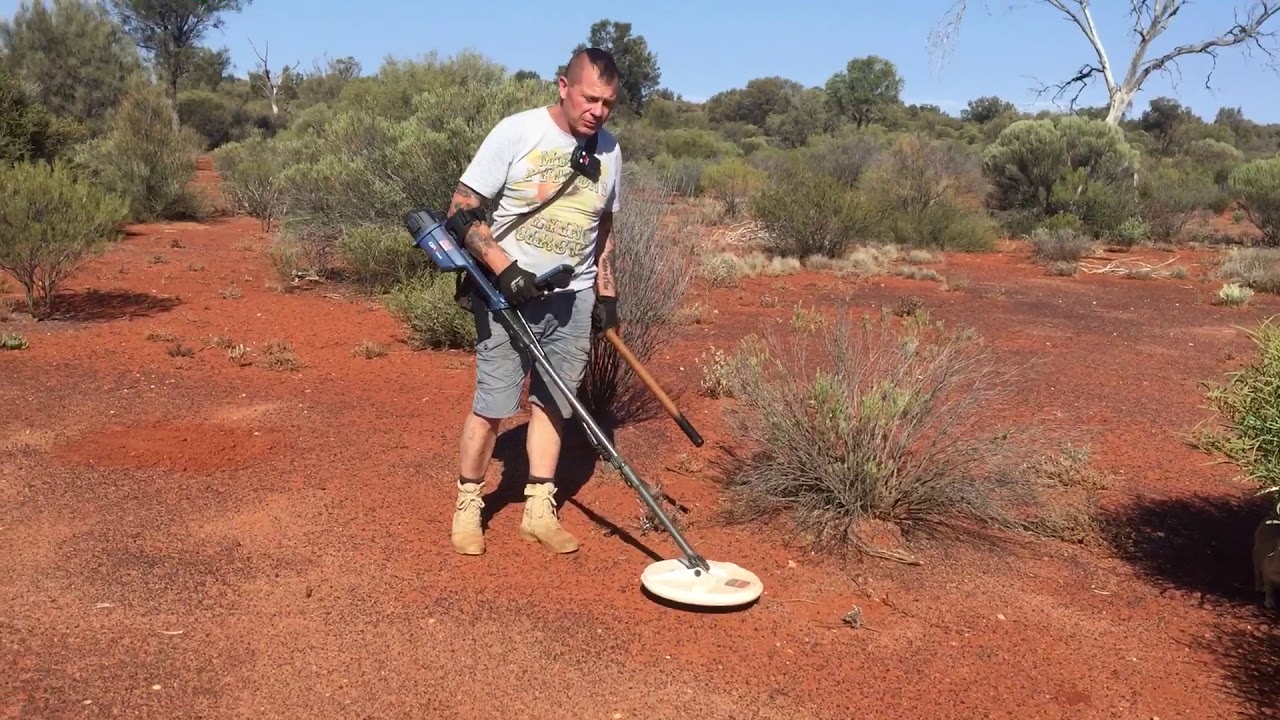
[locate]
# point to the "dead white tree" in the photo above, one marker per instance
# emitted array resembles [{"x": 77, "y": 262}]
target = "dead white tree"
[
  {"x": 1150, "y": 19},
  {"x": 269, "y": 85}
]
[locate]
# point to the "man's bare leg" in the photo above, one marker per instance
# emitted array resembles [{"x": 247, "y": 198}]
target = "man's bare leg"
[
  {"x": 479, "y": 434},
  {"x": 543, "y": 446}
]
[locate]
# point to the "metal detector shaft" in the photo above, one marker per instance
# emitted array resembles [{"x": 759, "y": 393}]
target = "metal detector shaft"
[{"x": 521, "y": 331}]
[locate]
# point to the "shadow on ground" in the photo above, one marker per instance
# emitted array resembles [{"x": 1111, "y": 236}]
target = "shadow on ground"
[
  {"x": 1203, "y": 546},
  {"x": 99, "y": 305},
  {"x": 1200, "y": 545}
]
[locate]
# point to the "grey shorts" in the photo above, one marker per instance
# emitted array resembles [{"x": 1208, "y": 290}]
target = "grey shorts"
[{"x": 562, "y": 325}]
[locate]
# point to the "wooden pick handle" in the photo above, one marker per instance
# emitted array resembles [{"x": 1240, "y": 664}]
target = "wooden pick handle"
[{"x": 612, "y": 336}]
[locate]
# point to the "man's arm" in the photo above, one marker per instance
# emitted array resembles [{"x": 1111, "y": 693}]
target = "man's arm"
[
  {"x": 605, "y": 286},
  {"x": 479, "y": 238}
]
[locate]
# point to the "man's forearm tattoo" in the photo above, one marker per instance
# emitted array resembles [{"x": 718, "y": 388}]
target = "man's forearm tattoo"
[
  {"x": 605, "y": 272},
  {"x": 479, "y": 240}
]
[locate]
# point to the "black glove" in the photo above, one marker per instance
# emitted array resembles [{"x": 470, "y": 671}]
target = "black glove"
[
  {"x": 516, "y": 284},
  {"x": 605, "y": 314}
]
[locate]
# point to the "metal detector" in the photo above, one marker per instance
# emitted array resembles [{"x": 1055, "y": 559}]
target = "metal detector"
[{"x": 691, "y": 579}]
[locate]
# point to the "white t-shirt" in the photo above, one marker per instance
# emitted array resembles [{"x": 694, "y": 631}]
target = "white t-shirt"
[{"x": 522, "y": 162}]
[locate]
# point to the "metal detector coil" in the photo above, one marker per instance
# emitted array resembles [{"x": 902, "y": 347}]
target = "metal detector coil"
[{"x": 691, "y": 579}]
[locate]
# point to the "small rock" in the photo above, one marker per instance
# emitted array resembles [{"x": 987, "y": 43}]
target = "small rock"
[{"x": 999, "y": 616}]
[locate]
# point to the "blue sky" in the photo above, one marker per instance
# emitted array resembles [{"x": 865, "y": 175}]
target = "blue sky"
[{"x": 704, "y": 46}]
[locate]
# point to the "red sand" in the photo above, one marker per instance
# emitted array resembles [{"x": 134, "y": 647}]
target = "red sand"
[{"x": 190, "y": 538}]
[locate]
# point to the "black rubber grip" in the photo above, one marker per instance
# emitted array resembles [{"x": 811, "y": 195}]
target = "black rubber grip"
[{"x": 688, "y": 430}]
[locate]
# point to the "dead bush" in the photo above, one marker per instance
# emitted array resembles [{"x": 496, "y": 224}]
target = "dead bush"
[
  {"x": 883, "y": 421},
  {"x": 1255, "y": 268},
  {"x": 653, "y": 271}
]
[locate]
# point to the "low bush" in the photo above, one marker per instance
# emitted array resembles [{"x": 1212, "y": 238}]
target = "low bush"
[
  {"x": 250, "y": 178},
  {"x": 1246, "y": 413},
  {"x": 1169, "y": 195},
  {"x": 381, "y": 256},
  {"x": 922, "y": 194},
  {"x": 51, "y": 223},
  {"x": 806, "y": 214},
  {"x": 734, "y": 183},
  {"x": 880, "y": 421},
  {"x": 1059, "y": 245},
  {"x": 146, "y": 156},
  {"x": 1255, "y": 268},
  {"x": 1257, "y": 185},
  {"x": 435, "y": 321}
]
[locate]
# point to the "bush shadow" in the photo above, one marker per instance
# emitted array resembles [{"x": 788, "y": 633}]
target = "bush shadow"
[
  {"x": 1203, "y": 545},
  {"x": 95, "y": 305},
  {"x": 1250, "y": 662}
]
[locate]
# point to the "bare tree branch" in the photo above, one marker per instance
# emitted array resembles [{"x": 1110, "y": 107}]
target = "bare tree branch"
[
  {"x": 269, "y": 87},
  {"x": 1150, "y": 19}
]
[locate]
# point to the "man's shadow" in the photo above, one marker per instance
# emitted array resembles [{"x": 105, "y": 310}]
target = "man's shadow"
[{"x": 578, "y": 462}]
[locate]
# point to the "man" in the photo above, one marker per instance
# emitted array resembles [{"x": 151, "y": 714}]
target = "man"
[{"x": 523, "y": 163}]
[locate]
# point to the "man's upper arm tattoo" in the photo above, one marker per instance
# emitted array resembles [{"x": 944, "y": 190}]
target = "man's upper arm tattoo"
[{"x": 479, "y": 239}]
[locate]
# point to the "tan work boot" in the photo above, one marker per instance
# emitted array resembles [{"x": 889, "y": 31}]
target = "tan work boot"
[
  {"x": 468, "y": 538},
  {"x": 540, "y": 522}
]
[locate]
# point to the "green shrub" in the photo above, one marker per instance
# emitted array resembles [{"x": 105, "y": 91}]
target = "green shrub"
[
  {"x": 844, "y": 157},
  {"x": 1102, "y": 206},
  {"x": 1257, "y": 185},
  {"x": 1246, "y": 413},
  {"x": 921, "y": 193},
  {"x": 209, "y": 114},
  {"x": 363, "y": 168},
  {"x": 684, "y": 174},
  {"x": 381, "y": 256},
  {"x": 1061, "y": 221},
  {"x": 1131, "y": 232},
  {"x": 1215, "y": 158},
  {"x": 733, "y": 182},
  {"x": 435, "y": 321},
  {"x": 250, "y": 174},
  {"x": 26, "y": 126},
  {"x": 51, "y": 222},
  {"x": 698, "y": 144},
  {"x": 1170, "y": 194},
  {"x": 146, "y": 156},
  {"x": 1069, "y": 164},
  {"x": 804, "y": 214},
  {"x": 876, "y": 420}
]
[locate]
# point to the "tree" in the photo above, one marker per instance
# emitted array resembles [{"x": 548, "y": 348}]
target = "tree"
[
  {"x": 986, "y": 109},
  {"x": 78, "y": 58},
  {"x": 864, "y": 89},
  {"x": 1151, "y": 18},
  {"x": 274, "y": 87},
  {"x": 637, "y": 65},
  {"x": 171, "y": 30},
  {"x": 1165, "y": 120},
  {"x": 754, "y": 104}
]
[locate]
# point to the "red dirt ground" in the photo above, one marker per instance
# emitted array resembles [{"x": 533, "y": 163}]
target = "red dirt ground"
[{"x": 186, "y": 537}]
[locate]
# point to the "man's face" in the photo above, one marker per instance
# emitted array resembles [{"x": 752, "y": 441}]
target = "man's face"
[{"x": 587, "y": 100}]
